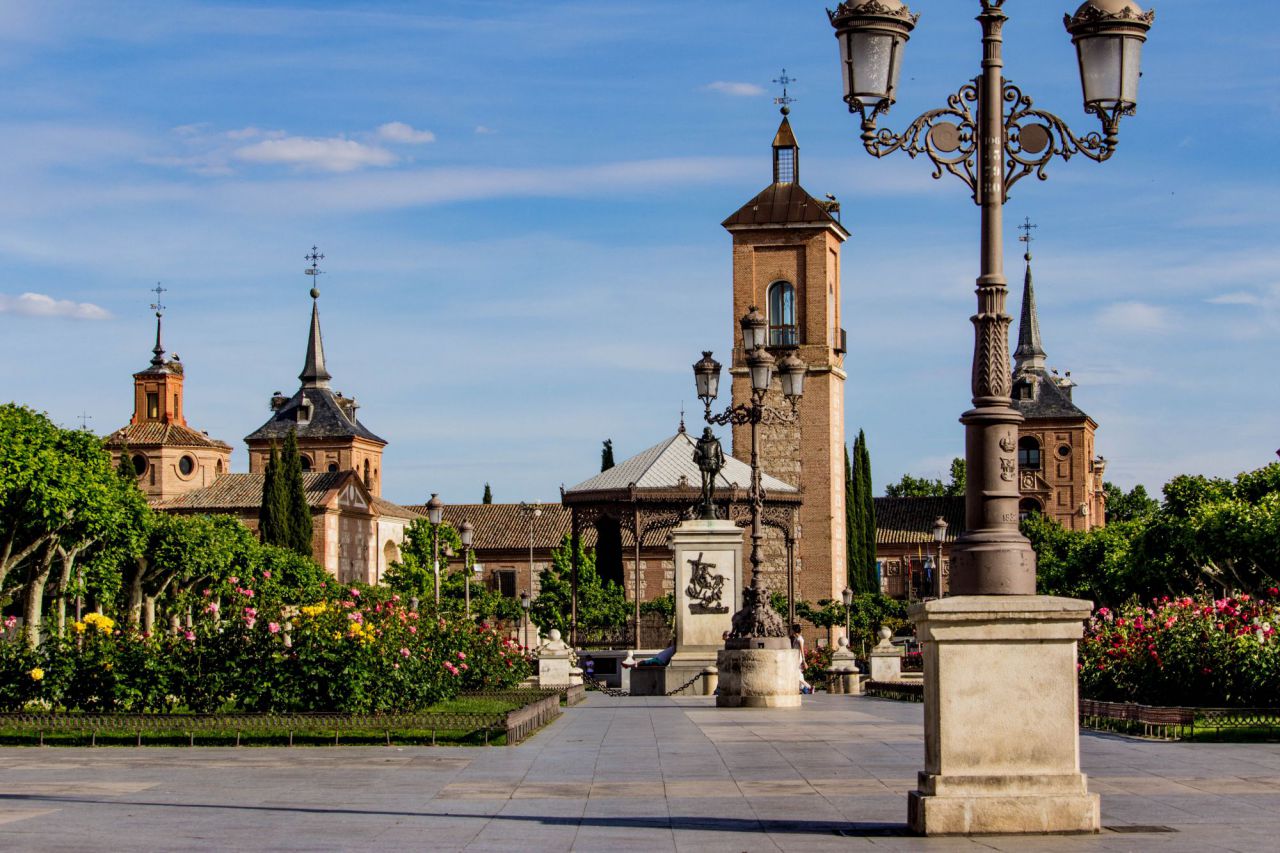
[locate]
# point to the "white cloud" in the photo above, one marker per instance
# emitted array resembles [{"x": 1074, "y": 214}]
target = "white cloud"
[
  {"x": 738, "y": 90},
  {"x": 482, "y": 129},
  {"x": 335, "y": 154},
  {"x": 39, "y": 305},
  {"x": 398, "y": 131},
  {"x": 1135, "y": 317},
  {"x": 1238, "y": 298}
]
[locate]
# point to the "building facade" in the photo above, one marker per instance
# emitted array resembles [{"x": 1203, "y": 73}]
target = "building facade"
[{"x": 786, "y": 263}]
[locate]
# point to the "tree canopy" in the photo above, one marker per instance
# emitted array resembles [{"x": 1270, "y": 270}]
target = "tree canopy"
[{"x": 922, "y": 487}]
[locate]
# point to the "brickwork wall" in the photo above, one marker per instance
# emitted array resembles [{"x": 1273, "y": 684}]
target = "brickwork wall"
[{"x": 1066, "y": 465}]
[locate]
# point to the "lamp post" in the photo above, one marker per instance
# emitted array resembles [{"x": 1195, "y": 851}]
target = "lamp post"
[
  {"x": 991, "y": 136},
  {"x": 847, "y": 596},
  {"x": 466, "y": 533},
  {"x": 533, "y": 512},
  {"x": 525, "y": 603},
  {"x": 939, "y": 534},
  {"x": 435, "y": 513},
  {"x": 757, "y": 619}
]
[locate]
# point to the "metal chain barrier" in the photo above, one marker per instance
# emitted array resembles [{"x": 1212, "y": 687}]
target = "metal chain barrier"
[{"x": 618, "y": 691}]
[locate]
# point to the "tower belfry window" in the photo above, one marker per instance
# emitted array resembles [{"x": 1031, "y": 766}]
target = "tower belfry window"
[
  {"x": 784, "y": 165},
  {"x": 782, "y": 315},
  {"x": 153, "y": 404}
]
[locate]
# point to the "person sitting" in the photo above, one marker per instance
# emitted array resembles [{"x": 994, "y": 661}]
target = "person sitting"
[{"x": 662, "y": 658}]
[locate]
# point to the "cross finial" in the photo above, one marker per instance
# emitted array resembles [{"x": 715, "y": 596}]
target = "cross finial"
[
  {"x": 682, "y": 416},
  {"x": 84, "y": 417},
  {"x": 784, "y": 99},
  {"x": 1026, "y": 237},
  {"x": 314, "y": 270},
  {"x": 158, "y": 306}
]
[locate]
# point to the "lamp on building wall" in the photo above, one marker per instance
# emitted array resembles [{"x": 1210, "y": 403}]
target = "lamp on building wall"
[
  {"x": 465, "y": 533},
  {"x": 435, "y": 512},
  {"x": 757, "y": 619},
  {"x": 939, "y": 534},
  {"x": 991, "y": 135}
]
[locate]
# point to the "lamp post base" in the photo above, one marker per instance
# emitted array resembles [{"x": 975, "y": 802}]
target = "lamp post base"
[
  {"x": 1002, "y": 739},
  {"x": 758, "y": 677}
]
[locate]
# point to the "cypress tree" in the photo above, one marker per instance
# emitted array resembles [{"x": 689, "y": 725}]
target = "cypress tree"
[
  {"x": 297, "y": 511},
  {"x": 606, "y": 455},
  {"x": 488, "y": 495},
  {"x": 852, "y": 533},
  {"x": 125, "y": 466},
  {"x": 868, "y": 516},
  {"x": 272, "y": 518}
]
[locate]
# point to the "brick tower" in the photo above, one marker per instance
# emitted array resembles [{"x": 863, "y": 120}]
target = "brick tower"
[
  {"x": 1058, "y": 475},
  {"x": 169, "y": 457},
  {"x": 786, "y": 261}
]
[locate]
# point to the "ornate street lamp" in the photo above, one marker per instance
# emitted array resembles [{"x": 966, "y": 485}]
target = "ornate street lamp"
[
  {"x": 435, "y": 513},
  {"x": 939, "y": 534},
  {"x": 847, "y": 597},
  {"x": 757, "y": 624},
  {"x": 466, "y": 532},
  {"x": 991, "y": 136},
  {"x": 525, "y": 602}
]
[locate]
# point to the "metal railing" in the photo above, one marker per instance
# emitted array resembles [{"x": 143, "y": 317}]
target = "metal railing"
[{"x": 1174, "y": 722}]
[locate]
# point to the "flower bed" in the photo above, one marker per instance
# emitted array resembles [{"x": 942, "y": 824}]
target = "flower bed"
[
  {"x": 363, "y": 652},
  {"x": 1185, "y": 652}
]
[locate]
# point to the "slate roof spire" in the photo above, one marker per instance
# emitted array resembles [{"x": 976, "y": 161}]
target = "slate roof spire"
[
  {"x": 157, "y": 353},
  {"x": 1030, "y": 355},
  {"x": 314, "y": 374}
]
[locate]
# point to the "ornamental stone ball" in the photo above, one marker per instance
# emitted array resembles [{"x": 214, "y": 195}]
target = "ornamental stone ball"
[{"x": 885, "y": 632}]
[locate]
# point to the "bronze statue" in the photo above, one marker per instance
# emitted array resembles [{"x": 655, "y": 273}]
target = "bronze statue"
[{"x": 709, "y": 457}]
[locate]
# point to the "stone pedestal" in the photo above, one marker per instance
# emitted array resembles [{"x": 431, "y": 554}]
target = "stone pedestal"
[
  {"x": 759, "y": 677},
  {"x": 1002, "y": 743},
  {"x": 555, "y": 663},
  {"x": 886, "y": 659},
  {"x": 842, "y": 675},
  {"x": 708, "y": 590}
]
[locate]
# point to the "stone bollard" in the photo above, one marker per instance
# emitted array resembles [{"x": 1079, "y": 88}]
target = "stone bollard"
[
  {"x": 842, "y": 675},
  {"x": 886, "y": 659}
]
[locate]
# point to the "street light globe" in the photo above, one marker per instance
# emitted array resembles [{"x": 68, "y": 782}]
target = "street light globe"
[
  {"x": 792, "y": 371},
  {"x": 939, "y": 529},
  {"x": 466, "y": 532},
  {"x": 761, "y": 364},
  {"x": 847, "y": 596},
  {"x": 435, "y": 509},
  {"x": 872, "y": 34},
  {"x": 524, "y": 599},
  {"x": 1108, "y": 35},
  {"x": 706, "y": 376},
  {"x": 755, "y": 329}
]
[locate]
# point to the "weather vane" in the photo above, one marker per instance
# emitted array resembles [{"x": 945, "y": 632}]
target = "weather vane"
[
  {"x": 158, "y": 306},
  {"x": 1026, "y": 237},
  {"x": 314, "y": 270},
  {"x": 785, "y": 100},
  {"x": 84, "y": 417}
]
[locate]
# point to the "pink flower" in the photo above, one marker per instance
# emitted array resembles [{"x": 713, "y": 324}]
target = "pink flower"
[
  {"x": 249, "y": 622},
  {"x": 249, "y": 612},
  {"x": 413, "y": 629},
  {"x": 273, "y": 627},
  {"x": 404, "y": 653},
  {"x": 462, "y": 666},
  {"x": 248, "y": 593},
  {"x": 323, "y": 584},
  {"x": 355, "y": 593},
  {"x": 211, "y": 607},
  {"x": 266, "y": 575},
  {"x": 234, "y": 580},
  {"x": 462, "y": 655},
  {"x": 395, "y": 666},
  {"x": 10, "y": 621},
  {"x": 208, "y": 592},
  {"x": 189, "y": 636}
]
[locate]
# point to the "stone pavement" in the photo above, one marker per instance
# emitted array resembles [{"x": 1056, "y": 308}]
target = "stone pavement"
[{"x": 613, "y": 774}]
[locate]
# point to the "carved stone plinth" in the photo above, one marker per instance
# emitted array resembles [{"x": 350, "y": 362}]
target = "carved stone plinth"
[
  {"x": 1002, "y": 742},
  {"x": 555, "y": 663},
  {"x": 708, "y": 591},
  {"x": 758, "y": 678}
]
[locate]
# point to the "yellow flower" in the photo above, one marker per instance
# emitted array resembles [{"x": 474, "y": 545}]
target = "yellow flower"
[
  {"x": 102, "y": 623},
  {"x": 36, "y": 674},
  {"x": 315, "y": 609},
  {"x": 78, "y": 627}
]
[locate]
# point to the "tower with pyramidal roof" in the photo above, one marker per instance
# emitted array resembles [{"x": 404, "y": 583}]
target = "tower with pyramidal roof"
[
  {"x": 1058, "y": 474},
  {"x": 786, "y": 262}
]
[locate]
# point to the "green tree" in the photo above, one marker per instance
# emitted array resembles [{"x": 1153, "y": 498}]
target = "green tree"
[
  {"x": 852, "y": 526},
  {"x": 606, "y": 455},
  {"x": 1122, "y": 506},
  {"x": 865, "y": 494},
  {"x": 183, "y": 552},
  {"x": 922, "y": 487},
  {"x": 298, "y": 510},
  {"x": 602, "y": 604},
  {"x": 273, "y": 515},
  {"x": 413, "y": 575},
  {"x": 488, "y": 495}
]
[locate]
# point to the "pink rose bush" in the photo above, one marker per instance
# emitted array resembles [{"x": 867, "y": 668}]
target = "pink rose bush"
[
  {"x": 1200, "y": 651},
  {"x": 366, "y": 652}
]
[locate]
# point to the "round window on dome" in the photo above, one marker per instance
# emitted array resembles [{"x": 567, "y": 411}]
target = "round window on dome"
[
  {"x": 139, "y": 464},
  {"x": 1064, "y": 451},
  {"x": 186, "y": 465}
]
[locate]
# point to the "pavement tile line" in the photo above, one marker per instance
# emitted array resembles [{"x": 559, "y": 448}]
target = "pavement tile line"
[{"x": 614, "y": 775}]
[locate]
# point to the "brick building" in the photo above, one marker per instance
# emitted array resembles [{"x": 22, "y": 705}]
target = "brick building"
[{"x": 786, "y": 261}]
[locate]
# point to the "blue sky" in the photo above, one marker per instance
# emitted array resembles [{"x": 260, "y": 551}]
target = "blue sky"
[{"x": 520, "y": 205}]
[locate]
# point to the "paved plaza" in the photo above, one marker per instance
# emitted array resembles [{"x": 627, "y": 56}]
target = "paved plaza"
[{"x": 612, "y": 774}]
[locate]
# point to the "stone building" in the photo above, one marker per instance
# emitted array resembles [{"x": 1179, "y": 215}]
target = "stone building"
[
  {"x": 906, "y": 552},
  {"x": 786, "y": 261},
  {"x": 169, "y": 457},
  {"x": 1058, "y": 474}
]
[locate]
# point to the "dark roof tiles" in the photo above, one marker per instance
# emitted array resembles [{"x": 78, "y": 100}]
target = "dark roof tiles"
[
  {"x": 909, "y": 521},
  {"x": 158, "y": 434}
]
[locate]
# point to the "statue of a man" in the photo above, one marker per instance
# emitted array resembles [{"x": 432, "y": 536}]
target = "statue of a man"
[{"x": 709, "y": 457}]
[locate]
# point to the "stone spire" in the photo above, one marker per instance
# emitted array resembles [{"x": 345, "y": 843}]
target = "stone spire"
[
  {"x": 313, "y": 373},
  {"x": 1029, "y": 356},
  {"x": 157, "y": 353}
]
